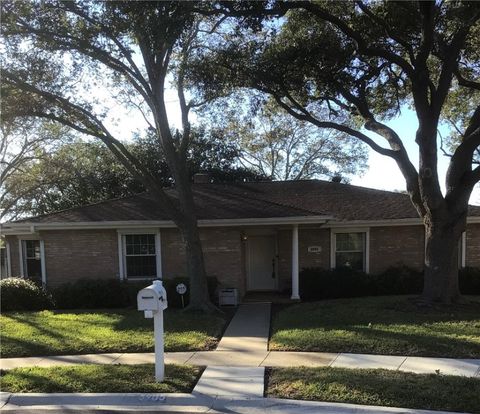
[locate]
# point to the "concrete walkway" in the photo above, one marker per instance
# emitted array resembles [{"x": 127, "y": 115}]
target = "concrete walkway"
[
  {"x": 419, "y": 365},
  {"x": 248, "y": 330},
  {"x": 245, "y": 382},
  {"x": 181, "y": 403}
]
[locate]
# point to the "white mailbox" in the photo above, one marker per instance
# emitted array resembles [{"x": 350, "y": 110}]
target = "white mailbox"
[{"x": 152, "y": 298}]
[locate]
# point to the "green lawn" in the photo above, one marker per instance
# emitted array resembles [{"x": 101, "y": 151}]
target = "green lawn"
[
  {"x": 376, "y": 387},
  {"x": 392, "y": 325},
  {"x": 100, "y": 378},
  {"x": 82, "y": 332}
]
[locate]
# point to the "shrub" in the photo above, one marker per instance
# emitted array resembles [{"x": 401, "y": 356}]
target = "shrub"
[
  {"x": 469, "y": 280},
  {"x": 113, "y": 293},
  {"x": 91, "y": 294},
  {"x": 317, "y": 283},
  {"x": 18, "y": 294},
  {"x": 398, "y": 280}
]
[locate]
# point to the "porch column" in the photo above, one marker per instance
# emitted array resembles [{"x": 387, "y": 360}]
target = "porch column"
[{"x": 295, "y": 294}]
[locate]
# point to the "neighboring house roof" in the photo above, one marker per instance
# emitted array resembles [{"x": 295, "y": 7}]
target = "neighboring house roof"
[{"x": 277, "y": 199}]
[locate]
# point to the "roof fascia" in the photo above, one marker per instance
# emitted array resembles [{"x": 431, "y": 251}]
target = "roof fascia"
[
  {"x": 326, "y": 221},
  {"x": 383, "y": 223},
  {"x": 17, "y": 228}
]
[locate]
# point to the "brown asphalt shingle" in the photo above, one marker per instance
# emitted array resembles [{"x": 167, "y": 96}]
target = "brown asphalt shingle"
[{"x": 255, "y": 200}]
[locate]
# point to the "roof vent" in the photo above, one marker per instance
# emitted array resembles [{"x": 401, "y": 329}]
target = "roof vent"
[{"x": 202, "y": 178}]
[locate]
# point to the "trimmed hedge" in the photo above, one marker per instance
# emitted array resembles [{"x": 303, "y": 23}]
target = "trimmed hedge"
[
  {"x": 18, "y": 294},
  {"x": 469, "y": 280},
  {"x": 94, "y": 293},
  {"x": 113, "y": 293},
  {"x": 318, "y": 283}
]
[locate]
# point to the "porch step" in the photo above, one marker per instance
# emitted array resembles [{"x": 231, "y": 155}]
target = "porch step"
[{"x": 272, "y": 297}]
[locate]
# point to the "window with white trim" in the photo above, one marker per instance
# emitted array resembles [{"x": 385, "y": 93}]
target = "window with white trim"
[
  {"x": 32, "y": 259},
  {"x": 350, "y": 250},
  {"x": 140, "y": 256}
]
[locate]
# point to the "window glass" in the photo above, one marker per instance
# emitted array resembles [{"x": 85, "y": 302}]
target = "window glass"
[
  {"x": 350, "y": 241},
  {"x": 140, "y": 256},
  {"x": 32, "y": 260},
  {"x": 350, "y": 250}
]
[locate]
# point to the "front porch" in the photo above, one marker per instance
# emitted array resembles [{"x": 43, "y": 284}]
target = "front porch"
[
  {"x": 273, "y": 297},
  {"x": 271, "y": 254}
]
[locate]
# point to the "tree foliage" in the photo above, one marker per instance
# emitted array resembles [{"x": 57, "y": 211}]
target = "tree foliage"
[
  {"x": 77, "y": 173},
  {"x": 360, "y": 63},
  {"x": 72, "y": 62},
  {"x": 281, "y": 148}
]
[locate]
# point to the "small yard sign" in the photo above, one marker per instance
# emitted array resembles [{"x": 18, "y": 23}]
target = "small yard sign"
[{"x": 181, "y": 290}]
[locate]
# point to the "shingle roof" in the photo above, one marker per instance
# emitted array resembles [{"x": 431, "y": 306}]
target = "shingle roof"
[{"x": 255, "y": 200}]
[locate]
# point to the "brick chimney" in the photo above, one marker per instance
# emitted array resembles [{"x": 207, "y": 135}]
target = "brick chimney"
[{"x": 202, "y": 178}]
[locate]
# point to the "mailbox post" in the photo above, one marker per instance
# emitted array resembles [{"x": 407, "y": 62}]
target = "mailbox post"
[{"x": 152, "y": 300}]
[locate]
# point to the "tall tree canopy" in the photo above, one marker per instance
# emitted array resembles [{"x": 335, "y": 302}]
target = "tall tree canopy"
[
  {"x": 76, "y": 173},
  {"x": 361, "y": 62},
  {"x": 72, "y": 62},
  {"x": 276, "y": 146}
]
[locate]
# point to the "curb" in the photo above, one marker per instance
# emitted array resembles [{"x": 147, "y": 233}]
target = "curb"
[{"x": 183, "y": 403}]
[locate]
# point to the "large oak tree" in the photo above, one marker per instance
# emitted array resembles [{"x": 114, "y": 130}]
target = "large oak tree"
[
  {"x": 365, "y": 61},
  {"x": 71, "y": 61}
]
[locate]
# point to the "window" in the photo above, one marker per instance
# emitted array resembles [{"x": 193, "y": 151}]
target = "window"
[
  {"x": 32, "y": 259},
  {"x": 350, "y": 250},
  {"x": 140, "y": 256}
]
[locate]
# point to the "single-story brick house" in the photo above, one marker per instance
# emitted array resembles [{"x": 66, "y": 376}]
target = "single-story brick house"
[{"x": 256, "y": 236}]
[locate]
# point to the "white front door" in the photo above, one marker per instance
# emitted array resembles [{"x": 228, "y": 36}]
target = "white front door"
[{"x": 261, "y": 263}]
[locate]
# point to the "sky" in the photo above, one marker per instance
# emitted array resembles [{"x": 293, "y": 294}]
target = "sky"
[{"x": 383, "y": 172}]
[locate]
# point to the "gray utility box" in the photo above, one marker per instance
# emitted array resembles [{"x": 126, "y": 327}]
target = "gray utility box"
[{"x": 228, "y": 297}]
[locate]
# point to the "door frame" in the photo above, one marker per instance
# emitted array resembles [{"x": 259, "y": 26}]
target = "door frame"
[{"x": 274, "y": 236}]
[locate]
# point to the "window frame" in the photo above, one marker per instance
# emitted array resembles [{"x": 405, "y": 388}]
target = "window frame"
[
  {"x": 22, "y": 256},
  {"x": 333, "y": 245},
  {"x": 122, "y": 253}
]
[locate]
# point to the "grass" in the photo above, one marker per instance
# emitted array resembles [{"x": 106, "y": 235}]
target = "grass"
[
  {"x": 100, "y": 378},
  {"x": 125, "y": 330},
  {"x": 376, "y": 387},
  {"x": 392, "y": 325}
]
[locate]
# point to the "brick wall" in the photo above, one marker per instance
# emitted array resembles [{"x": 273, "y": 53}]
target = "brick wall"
[
  {"x": 223, "y": 254},
  {"x": 396, "y": 245},
  {"x": 93, "y": 253},
  {"x": 75, "y": 254},
  {"x": 306, "y": 237},
  {"x": 472, "y": 257}
]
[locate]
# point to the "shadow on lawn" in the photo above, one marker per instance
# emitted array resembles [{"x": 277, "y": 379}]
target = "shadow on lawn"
[
  {"x": 100, "y": 379},
  {"x": 421, "y": 345},
  {"x": 376, "y": 387},
  {"x": 379, "y": 325}
]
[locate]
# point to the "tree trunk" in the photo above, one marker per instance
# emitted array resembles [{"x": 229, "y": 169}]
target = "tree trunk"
[
  {"x": 199, "y": 295},
  {"x": 441, "y": 260},
  {"x": 188, "y": 226}
]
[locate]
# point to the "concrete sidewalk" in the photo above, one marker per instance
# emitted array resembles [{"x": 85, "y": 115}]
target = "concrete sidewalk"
[
  {"x": 184, "y": 403},
  {"x": 419, "y": 365}
]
